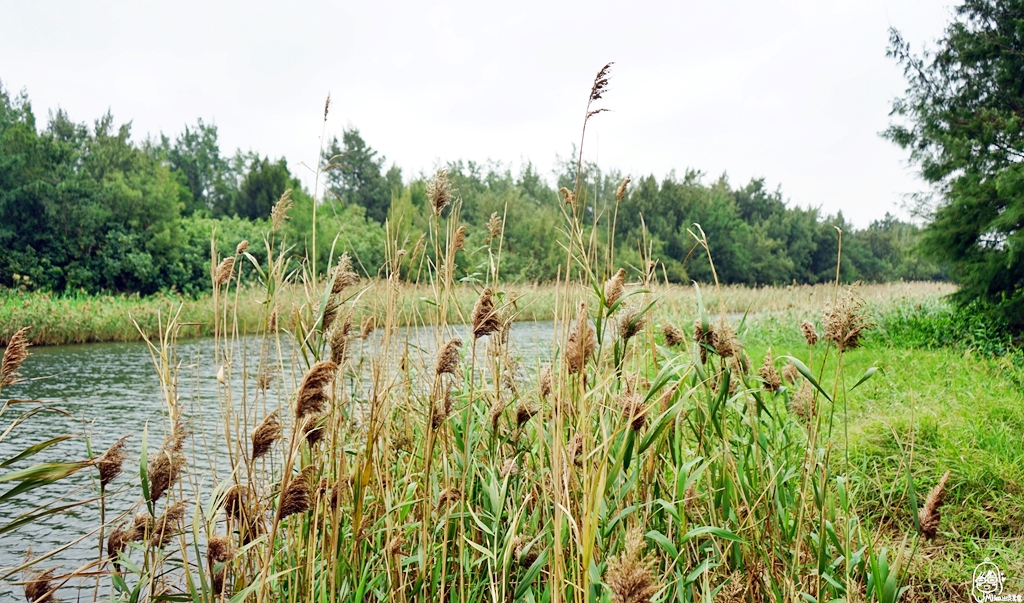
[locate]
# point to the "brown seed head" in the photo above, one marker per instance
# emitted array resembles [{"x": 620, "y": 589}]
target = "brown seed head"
[
  {"x": 568, "y": 196},
  {"x": 582, "y": 342},
  {"x": 844, "y": 323},
  {"x": 225, "y": 270},
  {"x": 14, "y": 355},
  {"x": 448, "y": 496},
  {"x": 395, "y": 546},
  {"x": 522, "y": 550},
  {"x": 494, "y": 414},
  {"x": 790, "y": 373},
  {"x": 338, "y": 339},
  {"x": 574, "y": 450},
  {"x": 310, "y": 398},
  {"x": 546, "y": 381},
  {"x": 494, "y": 225},
  {"x": 242, "y": 247},
  {"x": 280, "y": 212},
  {"x": 704, "y": 339},
  {"x": 459, "y": 242},
  {"x": 631, "y": 321},
  {"x": 509, "y": 467},
  {"x": 272, "y": 323},
  {"x": 614, "y": 287},
  {"x": 119, "y": 537},
  {"x": 110, "y": 462},
  {"x": 524, "y": 412},
  {"x": 620, "y": 193},
  {"x": 772, "y": 381},
  {"x": 166, "y": 524},
  {"x": 368, "y": 327},
  {"x": 600, "y": 84},
  {"x": 809, "y": 333},
  {"x": 296, "y": 497},
  {"x": 724, "y": 339},
  {"x": 142, "y": 526},
  {"x": 38, "y": 589},
  {"x": 929, "y": 515},
  {"x": 673, "y": 335},
  {"x": 630, "y": 576},
  {"x": 164, "y": 470},
  {"x": 219, "y": 550},
  {"x": 449, "y": 358},
  {"x": 633, "y": 409},
  {"x": 485, "y": 315},
  {"x": 802, "y": 403},
  {"x": 217, "y": 583},
  {"x": 439, "y": 191},
  {"x": 313, "y": 430},
  {"x": 344, "y": 276},
  {"x": 265, "y": 434},
  {"x": 236, "y": 501},
  {"x": 327, "y": 105}
]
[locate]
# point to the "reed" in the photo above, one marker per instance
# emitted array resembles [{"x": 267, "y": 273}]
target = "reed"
[{"x": 639, "y": 465}]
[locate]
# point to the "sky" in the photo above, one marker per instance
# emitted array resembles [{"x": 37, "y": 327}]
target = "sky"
[{"x": 792, "y": 91}]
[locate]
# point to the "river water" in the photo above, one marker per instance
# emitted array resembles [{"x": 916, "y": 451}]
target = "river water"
[{"x": 109, "y": 390}]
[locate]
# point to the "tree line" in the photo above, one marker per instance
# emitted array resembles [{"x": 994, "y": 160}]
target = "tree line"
[{"x": 87, "y": 208}]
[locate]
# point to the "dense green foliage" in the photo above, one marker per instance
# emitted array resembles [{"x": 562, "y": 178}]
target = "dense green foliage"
[
  {"x": 84, "y": 208},
  {"x": 961, "y": 121}
]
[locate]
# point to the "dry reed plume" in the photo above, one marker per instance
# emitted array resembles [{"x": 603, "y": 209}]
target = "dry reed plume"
[
  {"x": 14, "y": 355},
  {"x": 630, "y": 576},
  {"x": 929, "y": 515},
  {"x": 109, "y": 463},
  {"x": 724, "y": 339},
  {"x": 279, "y": 213},
  {"x": 296, "y": 497},
  {"x": 620, "y": 192},
  {"x": 704, "y": 338},
  {"x": 844, "y": 323},
  {"x": 219, "y": 549},
  {"x": 439, "y": 191},
  {"x": 338, "y": 338},
  {"x": 311, "y": 396},
  {"x": 165, "y": 467},
  {"x": 39, "y": 589},
  {"x": 545, "y": 381},
  {"x": 265, "y": 434},
  {"x": 485, "y": 315},
  {"x": 448, "y": 359},
  {"x": 810, "y": 335},
  {"x": 631, "y": 321},
  {"x": 614, "y": 287},
  {"x": 582, "y": 342},
  {"x": 633, "y": 408},
  {"x": 242, "y": 247},
  {"x": 673, "y": 335},
  {"x": 494, "y": 227},
  {"x": 166, "y": 525},
  {"x": 225, "y": 270},
  {"x": 767, "y": 372}
]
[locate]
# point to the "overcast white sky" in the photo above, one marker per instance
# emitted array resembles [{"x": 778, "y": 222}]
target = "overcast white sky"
[{"x": 794, "y": 91}]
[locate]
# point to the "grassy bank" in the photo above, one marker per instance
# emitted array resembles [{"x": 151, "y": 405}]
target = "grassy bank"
[{"x": 80, "y": 318}]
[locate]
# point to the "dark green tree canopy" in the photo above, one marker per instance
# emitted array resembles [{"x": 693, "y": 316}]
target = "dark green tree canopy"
[
  {"x": 961, "y": 119},
  {"x": 354, "y": 175}
]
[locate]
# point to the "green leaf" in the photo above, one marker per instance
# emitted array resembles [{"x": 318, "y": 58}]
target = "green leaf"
[
  {"x": 531, "y": 574},
  {"x": 39, "y": 475},
  {"x": 35, "y": 448},
  {"x": 714, "y": 531},
  {"x": 665, "y": 544},
  {"x": 867, "y": 375},
  {"x": 806, "y": 372}
]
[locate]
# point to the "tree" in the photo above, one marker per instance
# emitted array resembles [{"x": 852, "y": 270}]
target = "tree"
[
  {"x": 262, "y": 187},
  {"x": 355, "y": 175},
  {"x": 962, "y": 119}
]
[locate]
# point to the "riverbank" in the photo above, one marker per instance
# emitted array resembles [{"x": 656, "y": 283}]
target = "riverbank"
[{"x": 80, "y": 318}]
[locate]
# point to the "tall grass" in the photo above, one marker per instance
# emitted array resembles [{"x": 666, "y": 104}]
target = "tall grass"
[{"x": 651, "y": 459}]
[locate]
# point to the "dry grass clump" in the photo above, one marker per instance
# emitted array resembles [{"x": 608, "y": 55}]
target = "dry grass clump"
[
  {"x": 630, "y": 576},
  {"x": 266, "y": 434},
  {"x": 110, "y": 462},
  {"x": 844, "y": 322},
  {"x": 14, "y": 355},
  {"x": 929, "y": 515}
]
